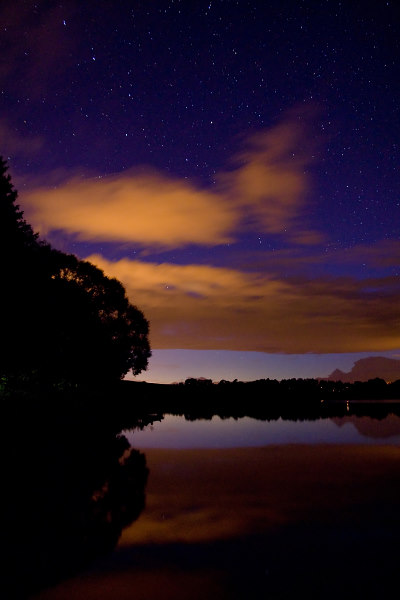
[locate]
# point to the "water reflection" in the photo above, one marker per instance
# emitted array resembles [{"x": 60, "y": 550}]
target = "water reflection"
[
  {"x": 385, "y": 430},
  {"x": 72, "y": 484},
  {"x": 175, "y": 431},
  {"x": 243, "y": 524},
  {"x": 274, "y": 519}
]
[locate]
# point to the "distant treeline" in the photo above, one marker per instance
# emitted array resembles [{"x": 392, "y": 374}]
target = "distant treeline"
[
  {"x": 298, "y": 389},
  {"x": 125, "y": 404},
  {"x": 265, "y": 399}
]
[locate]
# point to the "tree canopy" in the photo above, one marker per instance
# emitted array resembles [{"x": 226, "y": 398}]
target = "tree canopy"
[{"x": 62, "y": 318}]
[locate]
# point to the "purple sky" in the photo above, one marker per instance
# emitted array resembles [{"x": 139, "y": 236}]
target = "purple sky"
[{"x": 234, "y": 164}]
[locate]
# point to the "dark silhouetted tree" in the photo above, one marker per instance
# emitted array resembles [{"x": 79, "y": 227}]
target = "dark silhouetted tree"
[
  {"x": 19, "y": 250},
  {"x": 16, "y": 235},
  {"x": 94, "y": 310},
  {"x": 61, "y": 318}
]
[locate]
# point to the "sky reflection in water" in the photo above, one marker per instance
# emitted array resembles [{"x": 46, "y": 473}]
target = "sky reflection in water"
[
  {"x": 177, "y": 432},
  {"x": 229, "y": 520}
]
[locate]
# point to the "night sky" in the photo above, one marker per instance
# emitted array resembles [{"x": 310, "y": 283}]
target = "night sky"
[{"x": 234, "y": 164}]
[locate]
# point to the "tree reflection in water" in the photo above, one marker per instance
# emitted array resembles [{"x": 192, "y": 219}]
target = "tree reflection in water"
[
  {"x": 234, "y": 523},
  {"x": 72, "y": 484}
]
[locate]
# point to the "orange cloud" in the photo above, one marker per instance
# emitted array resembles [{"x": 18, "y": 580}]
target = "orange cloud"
[
  {"x": 267, "y": 191},
  {"x": 270, "y": 184},
  {"x": 147, "y": 209},
  {"x": 204, "y": 307}
]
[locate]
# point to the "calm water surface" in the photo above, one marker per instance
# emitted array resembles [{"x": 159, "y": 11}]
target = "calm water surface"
[
  {"x": 242, "y": 509},
  {"x": 177, "y": 432}
]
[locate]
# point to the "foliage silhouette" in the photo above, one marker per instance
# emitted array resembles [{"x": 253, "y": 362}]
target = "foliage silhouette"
[
  {"x": 71, "y": 484},
  {"x": 61, "y": 318}
]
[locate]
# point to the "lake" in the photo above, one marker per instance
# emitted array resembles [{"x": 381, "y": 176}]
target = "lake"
[
  {"x": 175, "y": 431},
  {"x": 244, "y": 508}
]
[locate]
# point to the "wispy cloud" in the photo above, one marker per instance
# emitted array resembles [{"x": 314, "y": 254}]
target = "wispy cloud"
[
  {"x": 266, "y": 191},
  {"x": 147, "y": 209},
  {"x": 382, "y": 256},
  {"x": 270, "y": 184},
  {"x": 204, "y": 307},
  {"x": 279, "y": 301}
]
